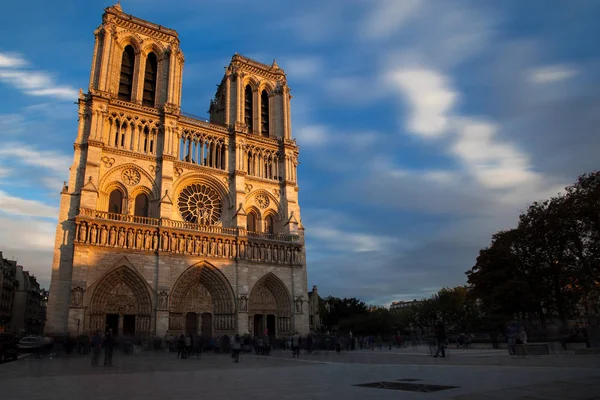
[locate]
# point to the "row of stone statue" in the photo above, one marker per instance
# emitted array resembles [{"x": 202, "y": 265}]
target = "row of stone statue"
[{"x": 114, "y": 236}]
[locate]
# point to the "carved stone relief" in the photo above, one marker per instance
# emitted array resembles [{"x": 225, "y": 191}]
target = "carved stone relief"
[{"x": 131, "y": 176}]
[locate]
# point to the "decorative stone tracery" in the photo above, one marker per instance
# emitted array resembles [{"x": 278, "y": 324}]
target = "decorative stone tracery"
[
  {"x": 121, "y": 292},
  {"x": 130, "y": 176},
  {"x": 203, "y": 289},
  {"x": 200, "y": 204}
]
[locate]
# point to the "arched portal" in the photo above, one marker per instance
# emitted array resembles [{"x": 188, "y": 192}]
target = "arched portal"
[
  {"x": 121, "y": 302},
  {"x": 201, "y": 297},
  {"x": 270, "y": 307}
]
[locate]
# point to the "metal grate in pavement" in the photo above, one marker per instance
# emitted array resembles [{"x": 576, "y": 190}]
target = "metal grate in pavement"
[{"x": 409, "y": 387}]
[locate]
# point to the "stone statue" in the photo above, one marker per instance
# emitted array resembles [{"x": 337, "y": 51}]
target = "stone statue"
[
  {"x": 113, "y": 236},
  {"x": 82, "y": 233},
  {"x": 162, "y": 300},
  {"x": 139, "y": 240},
  {"x": 77, "y": 297},
  {"x": 262, "y": 252},
  {"x": 197, "y": 248},
  {"x": 299, "y": 305},
  {"x": 204, "y": 246},
  {"x": 275, "y": 258},
  {"x": 269, "y": 251},
  {"x": 234, "y": 249},
  {"x": 220, "y": 248},
  {"x": 130, "y": 239},
  {"x": 190, "y": 245},
  {"x": 93, "y": 234},
  {"x": 226, "y": 248},
  {"x": 243, "y": 303},
  {"x": 182, "y": 244},
  {"x": 103, "y": 236},
  {"x": 154, "y": 241},
  {"x": 165, "y": 241},
  {"x": 242, "y": 250},
  {"x": 121, "y": 237},
  {"x": 147, "y": 240},
  {"x": 288, "y": 256},
  {"x": 174, "y": 243}
]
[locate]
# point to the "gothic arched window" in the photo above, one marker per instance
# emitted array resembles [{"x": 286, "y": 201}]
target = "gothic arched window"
[
  {"x": 115, "y": 202},
  {"x": 251, "y": 222},
  {"x": 264, "y": 113},
  {"x": 126, "y": 80},
  {"x": 150, "y": 80},
  {"x": 248, "y": 110},
  {"x": 141, "y": 205},
  {"x": 269, "y": 226}
]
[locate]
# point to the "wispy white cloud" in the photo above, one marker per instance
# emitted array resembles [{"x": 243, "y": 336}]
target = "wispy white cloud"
[
  {"x": 387, "y": 17},
  {"x": 24, "y": 154},
  {"x": 495, "y": 163},
  {"x": 301, "y": 67},
  {"x": 429, "y": 96},
  {"x": 20, "y": 206},
  {"x": 14, "y": 71},
  {"x": 9, "y": 60},
  {"x": 552, "y": 73},
  {"x": 312, "y": 135},
  {"x": 341, "y": 240}
]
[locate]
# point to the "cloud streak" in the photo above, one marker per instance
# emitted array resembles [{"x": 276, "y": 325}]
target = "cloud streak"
[{"x": 14, "y": 71}]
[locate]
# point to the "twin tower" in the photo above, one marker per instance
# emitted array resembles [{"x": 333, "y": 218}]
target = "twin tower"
[{"x": 170, "y": 223}]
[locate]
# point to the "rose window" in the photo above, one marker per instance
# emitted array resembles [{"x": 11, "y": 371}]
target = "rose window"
[{"x": 200, "y": 204}]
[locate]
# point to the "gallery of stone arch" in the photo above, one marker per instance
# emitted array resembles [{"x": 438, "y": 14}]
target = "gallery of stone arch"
[{"x": 171, "y": 223}]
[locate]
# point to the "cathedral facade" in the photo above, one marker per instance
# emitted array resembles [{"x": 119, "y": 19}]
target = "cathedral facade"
[{"x": 170, "y": 223}]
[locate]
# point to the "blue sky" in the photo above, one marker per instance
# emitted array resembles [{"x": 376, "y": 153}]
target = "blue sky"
[{"x": 424, "y": 125}]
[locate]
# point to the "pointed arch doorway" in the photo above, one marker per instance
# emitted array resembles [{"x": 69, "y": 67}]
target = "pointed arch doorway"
[
  {"x": 121, "y": 302},
  {"x": 202, "y": 303},
  {"x": 269, "y": 308}
]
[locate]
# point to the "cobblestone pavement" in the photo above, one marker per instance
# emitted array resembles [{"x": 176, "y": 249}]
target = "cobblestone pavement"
[{"x": 479, "y": 374}]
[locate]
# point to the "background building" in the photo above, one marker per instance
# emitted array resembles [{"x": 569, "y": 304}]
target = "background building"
[
  {"x": 398, "y": 305},
  {"x": 171, "y": 223},
  {"x": 8, "y": 287},
  {"x": 22, "y": 307}
]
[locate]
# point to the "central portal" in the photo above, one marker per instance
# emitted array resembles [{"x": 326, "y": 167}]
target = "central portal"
[
  {"x": 112, "y": 322},
  {"x": 129, "y": 325},
  {"x": 202, "y": 302},
  {"x": 191, "y": 323}
]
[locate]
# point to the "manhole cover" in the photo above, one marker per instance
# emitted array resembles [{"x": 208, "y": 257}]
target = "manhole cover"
[{"x": 409, "y": 387}]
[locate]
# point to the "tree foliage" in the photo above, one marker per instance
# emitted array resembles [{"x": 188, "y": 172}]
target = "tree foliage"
[{"x": 548, "y": 263}]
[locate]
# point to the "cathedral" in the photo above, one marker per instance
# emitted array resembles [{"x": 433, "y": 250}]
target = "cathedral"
[{"x": 171, "y": 223}]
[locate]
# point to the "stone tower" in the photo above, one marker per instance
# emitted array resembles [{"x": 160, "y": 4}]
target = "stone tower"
[{"x": 171, "y": 223}]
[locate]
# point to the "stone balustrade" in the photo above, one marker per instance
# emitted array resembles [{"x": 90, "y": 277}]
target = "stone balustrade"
[
  {"x": 184, "y": 225},
  {"x": 98, "y": 228}
]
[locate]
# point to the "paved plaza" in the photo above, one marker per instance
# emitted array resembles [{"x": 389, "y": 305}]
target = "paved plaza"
[{"x": 475, "y": 374}]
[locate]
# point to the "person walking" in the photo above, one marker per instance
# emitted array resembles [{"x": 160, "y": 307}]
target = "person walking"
[
  {"x": 296, "y": 345},
  {"x": 96, "y": 348},
  {"x": 181, "y": 347},
  {"x": 188, "y": 345},
  {"x": 237, "y": 347},
  {"x": 109, "y": 345},
  {"x": 440, "y": 336},
  {"x": 511, "y": 334}
]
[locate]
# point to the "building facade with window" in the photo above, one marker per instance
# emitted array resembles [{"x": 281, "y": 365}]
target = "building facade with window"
[
  {"x": 171, "y": 223},
  {"x": 8, "y": 288}
]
